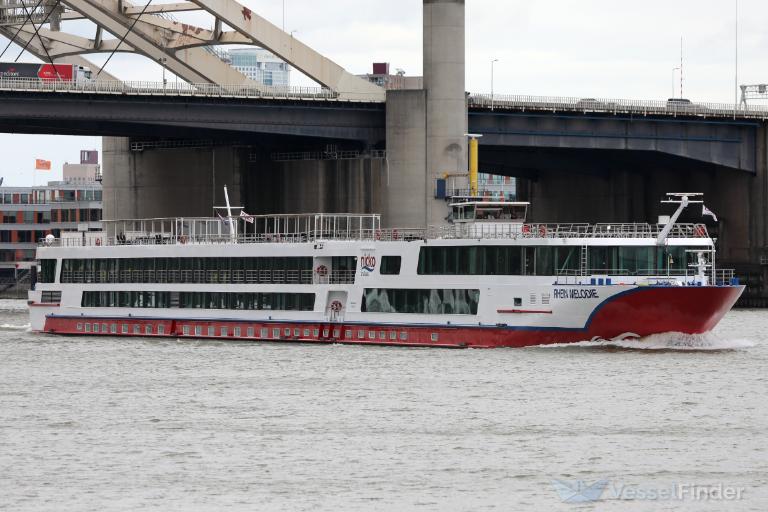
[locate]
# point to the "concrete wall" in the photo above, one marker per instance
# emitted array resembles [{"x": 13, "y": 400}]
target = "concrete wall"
[
  {"x": 311, "y": 186},
  {"x": 168, "y": 182}
]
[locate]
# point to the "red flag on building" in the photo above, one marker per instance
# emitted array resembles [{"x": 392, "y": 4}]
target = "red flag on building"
[{"x": 42, "y": 165}]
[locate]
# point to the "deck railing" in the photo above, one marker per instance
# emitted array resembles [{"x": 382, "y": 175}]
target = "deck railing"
[{"x": 323, "y": 227}]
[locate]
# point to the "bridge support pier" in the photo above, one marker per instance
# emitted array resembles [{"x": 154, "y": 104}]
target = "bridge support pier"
[{"x": 184, "y": 182}]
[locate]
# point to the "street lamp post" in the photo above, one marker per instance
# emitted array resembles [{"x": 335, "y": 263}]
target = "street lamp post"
[
  {"x": 673, "y": 81},
  {"x": 494, "y": 61}
]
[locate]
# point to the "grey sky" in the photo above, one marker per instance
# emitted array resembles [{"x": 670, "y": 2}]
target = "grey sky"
[{"x": 587, "y": 48}]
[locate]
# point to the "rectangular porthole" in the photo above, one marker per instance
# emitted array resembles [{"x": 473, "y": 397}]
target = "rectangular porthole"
[
  {"x": 297, "y": 333},
  {"x": 347, "y": 334},
  {"x": 79, "y": 327},
  {"x": 325, "y": 333},
  {"x": 198, "y": 330},
  {"x": 518, "y": 302},
  {"x": 95, "y": 327},
  {"x": 336, "y": 333},
  {"x": 113, "y": 328},
  {"x": 275, "y": 333},
  {"x": 434, "y": 336},
  {"x": 104, "y": 328},
  {"x": 211, "y": 331},
  {"x": 185, "y": 330},
  {"x": 136, "y": 329},
  {"x": 147, "y": 329},
  {"x": 403, "y": 336},
  {"x": 237, "y": 332},
  {"x": 125, "y": 329},
  {"x": 306, "y": 333},
  {"x": 393, "y": 335},
  {"x": 87, "y": 327},
  {"x": 382, "y": 335},
  {"x": 361, "y": 334},
  {"x": 161, "y": 329},
  {"x": 287, "y": 332},
  {"x": 371, "y": 335},
  {"x": 224, "y": 332}
]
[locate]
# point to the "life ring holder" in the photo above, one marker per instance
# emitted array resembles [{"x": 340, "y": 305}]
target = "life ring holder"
[
  {"x": 321, "y": 271},
  {"x": 395, "y": 234},
  {"x": 700, "y": 231},
  {"x": 526, "y": 229},
  {"x": 336, "y": 306},
  {"x": 542, "y": 230},
  {"x": 98, "y": 242},
  {"x": 378, "y": 234},
  {"x": 183, "y": 239}
]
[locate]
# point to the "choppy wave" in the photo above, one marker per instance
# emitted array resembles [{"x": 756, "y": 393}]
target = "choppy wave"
[{"x": 665, "y": 341}]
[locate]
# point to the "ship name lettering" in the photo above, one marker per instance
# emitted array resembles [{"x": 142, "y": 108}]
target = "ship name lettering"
[{"x": 575, "y": 293}]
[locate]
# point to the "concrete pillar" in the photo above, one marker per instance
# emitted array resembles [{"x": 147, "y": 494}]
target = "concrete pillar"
[
  {"x": 155, "y": 183},
  {"x": 406, "y": 180},
  {"x": 446, "y": 108}
]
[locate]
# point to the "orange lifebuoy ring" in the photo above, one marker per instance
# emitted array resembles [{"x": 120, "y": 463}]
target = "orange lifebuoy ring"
[
  {"x": 378, "y": 234},
  {"x": 98, "y": 241},
  {"x": 700, "y": 231},
  {"x": 336, "y": 306},
  {"x": 183, "y": 239},
  {"x": 322, "y": 270},
  {"x": 543, "y": 230},
  {"x": 395, "y": 234},
  {"x": 526, "y": 229}
]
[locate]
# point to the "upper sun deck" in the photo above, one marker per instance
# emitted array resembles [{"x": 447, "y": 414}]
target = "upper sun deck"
[{"x": 304, "y": 228}]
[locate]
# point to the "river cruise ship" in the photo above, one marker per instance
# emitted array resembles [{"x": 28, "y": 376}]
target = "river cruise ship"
[{"x": 488, "y": 279}]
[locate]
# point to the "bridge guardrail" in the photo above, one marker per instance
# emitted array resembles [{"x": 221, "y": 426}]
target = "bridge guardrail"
[
  {"x": 617, "y": 106},
  {"x": 169, "y": 89}
]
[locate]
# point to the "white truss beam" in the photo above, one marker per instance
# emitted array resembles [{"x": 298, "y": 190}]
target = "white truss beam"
[
  {"x": 136, "y": 10},
  {"x": 291, "y": 50}
]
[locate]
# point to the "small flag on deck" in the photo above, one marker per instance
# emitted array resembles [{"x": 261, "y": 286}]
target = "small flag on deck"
[
  {"x": 246, "y": 217},
  {"x": 42, "y": 165},
  {"x": 707, "y": 211}
]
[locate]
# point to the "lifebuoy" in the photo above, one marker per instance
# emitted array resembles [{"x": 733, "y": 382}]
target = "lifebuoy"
[
  {"x": 378, "y": 234},
  {"x": 183, "y": 239},
  {"x": 322, "y": 270},
  {"x": 395, "y": 234},
  {"x": 336, "y": 306},
  {"x": 98, "y": 241},
  {"x": 543, "y": 230},
  {"x": 700, "y": 231},
  {"x": 526, "y": 229}
]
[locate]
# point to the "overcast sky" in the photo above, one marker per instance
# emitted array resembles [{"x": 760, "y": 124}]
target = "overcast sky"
[{"x": 586, "y": 48}]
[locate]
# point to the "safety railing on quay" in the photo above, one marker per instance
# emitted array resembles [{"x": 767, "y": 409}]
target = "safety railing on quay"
[
  {"x": 168, "y": 89},
  {"x": 673, "y": 107}
]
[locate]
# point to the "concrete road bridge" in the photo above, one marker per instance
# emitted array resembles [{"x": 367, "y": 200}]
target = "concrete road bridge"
[{"x": 578, "y": 159}]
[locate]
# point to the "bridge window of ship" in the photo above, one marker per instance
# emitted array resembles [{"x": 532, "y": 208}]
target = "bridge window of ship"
[
  {"x": 390, "y": 265},
  {"x": 48, "y": 271},
  {"x": 432, "y": 302}
]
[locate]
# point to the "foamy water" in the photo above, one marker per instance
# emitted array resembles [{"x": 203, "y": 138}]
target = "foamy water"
[{"x": 116, "y": 424}]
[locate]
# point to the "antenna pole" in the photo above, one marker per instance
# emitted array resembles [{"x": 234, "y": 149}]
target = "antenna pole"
[{"x": 681, "y": 66}]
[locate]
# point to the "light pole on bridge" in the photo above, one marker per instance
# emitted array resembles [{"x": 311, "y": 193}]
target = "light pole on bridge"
[{"x": 494, "y": 61}]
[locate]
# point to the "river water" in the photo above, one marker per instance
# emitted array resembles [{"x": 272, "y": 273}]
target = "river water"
[{"x": 110, "y": 424}]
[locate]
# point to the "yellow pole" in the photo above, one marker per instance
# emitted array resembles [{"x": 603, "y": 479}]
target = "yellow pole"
[{"x": 473, "y": 165}]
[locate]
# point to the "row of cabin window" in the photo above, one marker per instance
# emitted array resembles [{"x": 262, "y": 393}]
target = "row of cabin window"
[
  {"x": 200, "y": 300},
  {"x": 426, "y": 302},
  {"x": 550, "y": 260}
]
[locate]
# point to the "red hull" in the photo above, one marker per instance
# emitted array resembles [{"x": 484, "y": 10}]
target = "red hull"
[{"x": 640, "y": 311}]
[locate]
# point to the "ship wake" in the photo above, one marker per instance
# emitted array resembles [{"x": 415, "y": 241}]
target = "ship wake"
[{"x": 668, "y": 341}]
